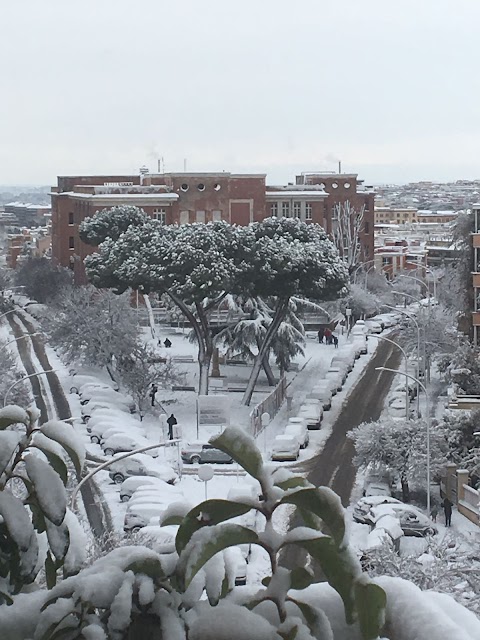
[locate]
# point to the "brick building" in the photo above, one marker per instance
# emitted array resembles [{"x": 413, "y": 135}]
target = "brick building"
[{"x": 177, "y": 198}]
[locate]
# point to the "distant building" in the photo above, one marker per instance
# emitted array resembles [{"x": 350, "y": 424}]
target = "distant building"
[
  {"x": 177, "y": 198},
  {"x": 28, "y": 215},
  {"x": 476, "y": 276},
  {"x": 393, "y": 215}
]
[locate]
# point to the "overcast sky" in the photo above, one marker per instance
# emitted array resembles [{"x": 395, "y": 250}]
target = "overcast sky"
[{"x": 392, "y": 88}]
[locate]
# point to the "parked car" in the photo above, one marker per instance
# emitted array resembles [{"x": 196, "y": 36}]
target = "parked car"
[
  {"x": 359, "y": 329},
  {"x": 139, "y": 515},
  {"x": 298, "y": 431},
  {"x": 362, "y": 508},
  {"x": 123, "y": 442},
  {"x": 140, "y": 464},
  {"x": 133, "y": 483},
  {"x": 111, "y": 415},
  {"x": 160, "y": 493},
  {"x": 386, "y": 319},
  {"x": 200, "y": 452},
  {"x": 134, "y": 432},
  {"x": 373, "y": 327},
  {"x": 412, "y": 521},
  {"x": 235, "y": 558},
  {"x": 86, "y": 390},
  {"x": 157, "y": 538},
  {"x": 377, "y": 489},
  {"x": 89, "y": 409},
  {"x": 80, "y": 382},
  {"x": 346, "y": 358},
  {"x": 337, "y": 378},
  {"x": 99, "y": 429},
  {"x": 312, "y": 413},
  {"x": 323, "y": 391},
  {"x": 111, "y": 397},
  {"x": 285, "y": 448},
  {"x": 360, "y": 343}
]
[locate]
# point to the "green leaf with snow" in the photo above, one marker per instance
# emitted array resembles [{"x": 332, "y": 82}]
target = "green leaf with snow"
[
  {"x": 204, "y": 544},
  {"x": 370, "y": 601},
  {"x": 206, "y": 514},
  {"x": 316, "y": 619},
  {"x": 49, "y": 489},
  {"x": 58, "y": 539},
  {"x": 12, "y": 414},
  {"x": 54, "y": 454},
  {"x": 241, "y": 448},
  {"x": 301, "y": 578},
  {"x": 21, "y": 540},
  {"x": 8, "y": 443},
  {"x": 150, "y": 566},
  {"x": 66, "y": 436},
  {"x": 338, "y": 568},
  {"x": 325, "y": 504}
]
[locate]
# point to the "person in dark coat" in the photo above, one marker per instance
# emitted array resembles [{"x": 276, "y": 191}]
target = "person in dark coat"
[
  {"x": 172, "y": 421},
  {"x": 434, "y": 513},
  {"x": 153, "y": 391},
  {"x": 321, "y": 333},
  {"x": 335, "y": 340},
  {"x": 167, "y": 343},
  {"x": 328, "y": 336},
  {"x": 447, "y": 508}
]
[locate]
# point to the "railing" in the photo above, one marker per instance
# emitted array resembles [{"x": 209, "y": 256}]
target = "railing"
[
  {"x": 471, "y": 497},
  {"x": 271, "y": 404}
]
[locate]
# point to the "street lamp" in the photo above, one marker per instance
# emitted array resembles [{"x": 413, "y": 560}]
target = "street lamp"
[
  {"x": 417, "y": 326},
  {"x": 427, "y": 270},
  {"x": 407, "y": 398},
  {"x": 32, "y": 375},
  {"x": 427, "y": 400}
]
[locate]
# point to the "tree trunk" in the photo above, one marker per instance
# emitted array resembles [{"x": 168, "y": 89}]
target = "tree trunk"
[
  {"x": 215, "y": 364},
  {"x": 266, "y": 365},
  {"x": 257, "y": 365}
]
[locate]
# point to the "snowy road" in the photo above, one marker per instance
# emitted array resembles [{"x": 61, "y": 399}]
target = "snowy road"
[
  {"x": 51, "y": 401},
  {"x": 333, "y": 466}
]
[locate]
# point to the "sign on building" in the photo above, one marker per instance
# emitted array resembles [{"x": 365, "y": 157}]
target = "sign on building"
[{"x": 213, "y": 411}]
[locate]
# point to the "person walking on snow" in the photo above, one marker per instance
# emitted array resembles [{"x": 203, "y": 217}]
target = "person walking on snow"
[
  {"x": 321, "y": 333},
  {"x": 434, "y": 513},
  {"x": 335, "y": 341},
  {"x": 328, "y": 335},
  {"x": 447, "y": 508},
  {"x": 153, "y": 391},
  {"x": 172, "y": 421}
]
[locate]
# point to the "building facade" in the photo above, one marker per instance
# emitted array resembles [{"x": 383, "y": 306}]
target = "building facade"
[
  {"x": 178, "y": 198},
  {"x": 476, "y": 276}
]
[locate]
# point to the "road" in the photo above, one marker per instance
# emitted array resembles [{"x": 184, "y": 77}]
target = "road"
[
  {"x": 333, "y": 467},
  {"x": 98, "y": 515}
]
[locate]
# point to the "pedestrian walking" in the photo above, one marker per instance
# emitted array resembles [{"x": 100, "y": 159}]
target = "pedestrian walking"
[
  {"x": 321, "y": 333},
  {"x": 335, "y": 340},
  {"x": 153, "y": 392},
  {"x": 167, "y": 343},
  {"x": 434, "y": 513},
  {"x": 447, "y": 508},
  {"x": 328, "y": 335},
  {"x": 172, "y": 421}
]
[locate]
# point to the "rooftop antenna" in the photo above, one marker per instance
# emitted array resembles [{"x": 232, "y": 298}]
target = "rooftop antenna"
[
  {"x": 339, "y": 166},
  {"x": 184, "y": 165}
]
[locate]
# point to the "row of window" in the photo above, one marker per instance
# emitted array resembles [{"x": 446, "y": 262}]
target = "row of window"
[{"x": 291, "y": 212}]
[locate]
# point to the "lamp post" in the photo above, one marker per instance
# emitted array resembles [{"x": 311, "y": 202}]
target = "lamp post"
[
  {"x": 431, "y": 272},
  {"x": 32, "y": 375},
  {"x": 427, "y": 400},
  {"x": 417, "y": 326},
  {"x": 407, "y": 399},
  {"x": 348, "y": 315}
]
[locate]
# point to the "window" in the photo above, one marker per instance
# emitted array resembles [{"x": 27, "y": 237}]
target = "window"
[
  {"x": 200, "y": 216},
  {"x": 296, "y": 209},
  {"x": 71, "y": 242},
  {"x": 274, "y": 209},
  {"x": 70, "y": 217},
  {"x": 367, "y": 226},
  {"x": 184, "y": 187},
  {"x": 184, "y": 217},
  {"x": 386, "y": 261},
  {"x": 286, "y": 209},
  {"x": 216, "y": 215},
  {"x": 308, "y": 211},
  {"x": 201, "y": 186},
  {"x": 160, "y": 215}
]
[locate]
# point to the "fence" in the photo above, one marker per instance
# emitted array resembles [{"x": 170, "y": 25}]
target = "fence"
[
  {"x": 271, "y": 404},
  {"x": 454, "y": 486}
]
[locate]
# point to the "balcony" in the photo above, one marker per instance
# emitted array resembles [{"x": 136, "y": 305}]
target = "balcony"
[
  {"x": 476, "y": 280},
  {"x": 476, "y": 318},
  {"x": 476, "y": 240}
]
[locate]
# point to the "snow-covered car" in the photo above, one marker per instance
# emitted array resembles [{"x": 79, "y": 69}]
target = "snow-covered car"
[
  {"x": 412, "y": 389},
  {"x": 360, "y": 343},
  {"x": 159, "y": 493},
  {"x": 412, "y": 521},
  {"x": 110, "y": 415},
  {"x": 134, "y": 432},
  {"x": 111, "y": 397},
  {"x": 359, "y": 329},
  {"x": 285, "y": 448},
  {"x": 323, "y": 391},
  {"x": 87, "y": 410},
  {"x": 362, "y": 508},
  {"x": 386, "y": 319},
  {"x": 345, "y": 358},
  {"x": 234, "y": 557},
  {"x": 86, "y": 390},
  {"x": 298, "y": 431},
  {"x": 157, "y": 538},
  {"x": 123, "y": 442},
  {"x": 312, "y": 413},
  {"x": 373, "y": 327},
  {"x": 98, "y": 430},
  {"x": 140, "y": 464},
  {"x": 80, "y": 381},
  {"x": 133, "y": 483},
  {"x": 139, "y": 515},
  {"x": 376, "y": 488},
  {"x": 337, "y": 375},
  {"x": 200, "y": 452}
]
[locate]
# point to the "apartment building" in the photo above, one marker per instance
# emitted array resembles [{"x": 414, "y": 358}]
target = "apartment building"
[
  {"x": 178, "y": 198},
  {"x": 393, "y": 215},
  {"x": 476, "y": 276}
]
